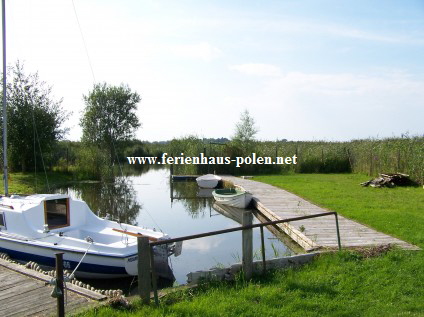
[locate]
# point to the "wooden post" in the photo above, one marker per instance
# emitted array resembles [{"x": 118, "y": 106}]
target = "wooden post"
[
  {"x": 154, "y": 282},
  {"x": 59, "y": 285},
  {"x": 171, "y": 189},
  {"x": 207, "y": 167},
  {"x": 247, "y": 243},
  {"x": 263, "y": 251},
  {"x": 144, "y": 278}
]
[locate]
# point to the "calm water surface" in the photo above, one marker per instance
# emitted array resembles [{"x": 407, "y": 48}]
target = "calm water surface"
[{"x": 150, "y": 200}]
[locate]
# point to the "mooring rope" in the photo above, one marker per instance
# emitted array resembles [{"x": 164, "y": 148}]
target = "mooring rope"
[{"x": 91, "y": 241}]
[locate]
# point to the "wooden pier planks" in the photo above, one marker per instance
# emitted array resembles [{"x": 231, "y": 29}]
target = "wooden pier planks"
[
  {"x": 21, "y": 295},
  {"x": 311, "y": 234}
]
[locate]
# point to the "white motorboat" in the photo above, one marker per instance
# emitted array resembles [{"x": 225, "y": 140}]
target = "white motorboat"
[
  {"x": 34, "y": 228},
  {"x": 208, "y": 181},
  {"x": 232, "y": 197}
]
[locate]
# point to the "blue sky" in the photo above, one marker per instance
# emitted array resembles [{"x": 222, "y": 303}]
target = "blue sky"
[{"x": 305, "y": 70}]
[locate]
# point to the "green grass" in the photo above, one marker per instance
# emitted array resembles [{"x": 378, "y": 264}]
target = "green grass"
[
  {"x": 337, "y": 284},
  {"x": 29, "y": 183},
  {"x": 396, "y": 211}
]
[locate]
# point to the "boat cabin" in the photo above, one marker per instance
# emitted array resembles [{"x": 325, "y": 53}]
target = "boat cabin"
[
  {"x": 56, "y": 213},
  {"x": 42, "y": 213}
]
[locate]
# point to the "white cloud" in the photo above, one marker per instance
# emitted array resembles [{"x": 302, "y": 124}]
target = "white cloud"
[
  {"x": 256, "y": 69},
  {"x": 203, "y": 51}
]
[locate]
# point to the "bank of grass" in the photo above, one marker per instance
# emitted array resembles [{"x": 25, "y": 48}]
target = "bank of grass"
[
  {"x": 30, "y": 183},
  {"x": 396, "y": 211},
  {"x": 337, "y": 284}
]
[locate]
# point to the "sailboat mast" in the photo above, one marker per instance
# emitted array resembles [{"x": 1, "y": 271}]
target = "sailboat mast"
[{"x": 5, "y": 172}]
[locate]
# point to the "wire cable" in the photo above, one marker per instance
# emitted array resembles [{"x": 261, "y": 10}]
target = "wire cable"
[{"x": 83, "y": 40}]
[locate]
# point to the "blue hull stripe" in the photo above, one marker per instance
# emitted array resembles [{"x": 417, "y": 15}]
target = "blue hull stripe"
[
  {"x": 48, "y": 261},
  {"x": 55, "y": 248}
]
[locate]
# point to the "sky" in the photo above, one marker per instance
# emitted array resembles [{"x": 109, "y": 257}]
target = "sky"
[{"x": 305, "y": 70}]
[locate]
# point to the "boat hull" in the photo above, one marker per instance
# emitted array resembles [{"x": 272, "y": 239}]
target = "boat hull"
[
  {"x": 208, "y": 181},
  {"x": 95, "y": 266},
  {"x": 238, "y": 199}
]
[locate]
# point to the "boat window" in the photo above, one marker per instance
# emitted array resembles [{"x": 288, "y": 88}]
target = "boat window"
[
  {"x": 2, "y": 221},
  {"x": 56, "y": 213}
]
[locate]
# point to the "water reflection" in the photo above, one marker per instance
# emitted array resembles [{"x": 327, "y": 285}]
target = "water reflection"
[
  {"x": 149, "y": 199},
  {"x": 116, "y": 201},
  {"x": 196, "y": 201},
  {"x": 202, "y": 245},
  {"x": 233, "y": 213}
]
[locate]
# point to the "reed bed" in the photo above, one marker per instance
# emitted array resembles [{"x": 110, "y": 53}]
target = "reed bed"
[{"x": 369, "y": 156}]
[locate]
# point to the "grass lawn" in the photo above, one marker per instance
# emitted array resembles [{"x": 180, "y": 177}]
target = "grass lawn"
[
  {"x": 28, "y": 183},
  {"x": 337, "y": 284},
  {"x": 396, "y": 211}
]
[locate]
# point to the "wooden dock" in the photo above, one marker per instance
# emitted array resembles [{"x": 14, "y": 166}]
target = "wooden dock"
[
  {"x": 23, "y": 292},
  {"x": 312, "y": 234}
]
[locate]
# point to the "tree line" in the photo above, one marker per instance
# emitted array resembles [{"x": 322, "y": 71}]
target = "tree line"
[
  {"x": 36, "y": 133},
  {"x": 36, "y": 139}
]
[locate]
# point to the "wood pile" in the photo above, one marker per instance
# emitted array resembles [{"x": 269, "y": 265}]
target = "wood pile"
[{"x": 390, "y": 180}]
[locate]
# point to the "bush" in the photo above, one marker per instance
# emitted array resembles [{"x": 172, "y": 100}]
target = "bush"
[{"x": 93, "y": 163}]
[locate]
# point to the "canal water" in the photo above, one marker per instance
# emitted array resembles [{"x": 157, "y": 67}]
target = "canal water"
[{"x": 148, "y": 199}]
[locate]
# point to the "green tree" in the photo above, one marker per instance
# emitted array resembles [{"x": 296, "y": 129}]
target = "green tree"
[
  {"x": 34, "y": 120},
  {"x": 109, "y": 116},
  {"x": 245, "y": 129}
]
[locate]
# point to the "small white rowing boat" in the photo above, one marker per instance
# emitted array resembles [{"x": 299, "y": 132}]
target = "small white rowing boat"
[
  {"x": 232, "y": 197},
  {"x": 208, "y": 181}
]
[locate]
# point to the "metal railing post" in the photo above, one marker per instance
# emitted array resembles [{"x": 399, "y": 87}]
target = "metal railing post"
[
  {"x": 263, "y": 250},
  {"x": 338, "y": 231}
]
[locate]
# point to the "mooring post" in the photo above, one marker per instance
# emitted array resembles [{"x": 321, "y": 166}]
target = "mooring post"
[
  {"x": 144, "y": 279},
  {"x": 247, "y": 245},
  {"x": 59, "y": 285},
  {"x": 171, "y": 188},
  {"x": 154, "y": 282}
]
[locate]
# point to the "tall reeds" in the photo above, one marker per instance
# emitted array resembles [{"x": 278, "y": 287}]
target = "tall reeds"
[{"x": 369, "y": 156}]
